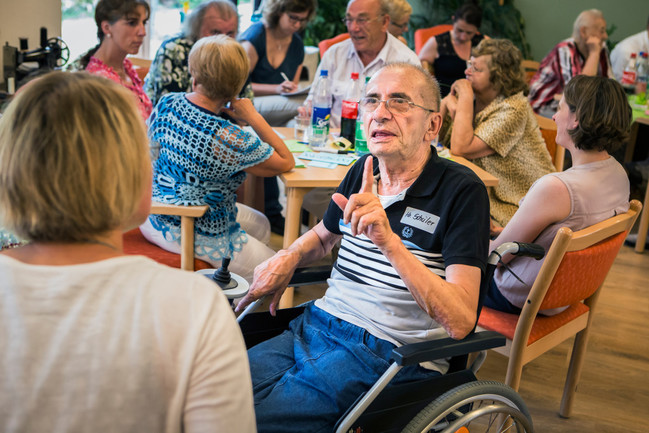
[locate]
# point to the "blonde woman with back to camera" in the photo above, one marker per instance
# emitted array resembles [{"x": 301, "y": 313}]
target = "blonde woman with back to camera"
[{"x": 92, "y": 339}]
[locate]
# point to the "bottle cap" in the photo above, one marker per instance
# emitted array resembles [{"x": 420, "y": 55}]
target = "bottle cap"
[
  {"x": 354, "y": 75},
  {"x": 324, "y": 73}
]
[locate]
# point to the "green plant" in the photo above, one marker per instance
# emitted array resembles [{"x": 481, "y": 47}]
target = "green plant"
[
  {"x": 500, "y": 19},
  {"x": 327, "y": 22}
]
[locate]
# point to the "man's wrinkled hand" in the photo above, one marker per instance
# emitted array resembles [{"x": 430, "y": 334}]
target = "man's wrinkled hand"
[
  {"x": 271, "y": 278},
  {"x": 363, "y": 211}
]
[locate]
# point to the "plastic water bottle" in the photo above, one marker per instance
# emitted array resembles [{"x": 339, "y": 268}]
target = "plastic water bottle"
[
  {"x": 642, "y": 70},
  {"x": 321, "y": 111},
  {"x": 350, "y": 109},
  {"x": 360, "y": 139},
  {"x": 629, "y": 75}
]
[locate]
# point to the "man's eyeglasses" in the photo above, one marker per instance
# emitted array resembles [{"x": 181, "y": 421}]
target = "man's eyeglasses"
[
  {"x": 296, "y": 20},
  {"x": 394, "y": 105},
  {"x": 361, "y": 21}
]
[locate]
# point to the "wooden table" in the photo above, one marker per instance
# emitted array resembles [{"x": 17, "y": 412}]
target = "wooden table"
[{"x": 299, "y": 181}]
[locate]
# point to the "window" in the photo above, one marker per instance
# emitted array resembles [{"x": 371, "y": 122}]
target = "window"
[{"x": 80, "y": 32}]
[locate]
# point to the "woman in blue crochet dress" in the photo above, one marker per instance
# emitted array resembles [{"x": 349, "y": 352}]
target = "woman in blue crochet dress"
[{"x": 200, "y": 158}]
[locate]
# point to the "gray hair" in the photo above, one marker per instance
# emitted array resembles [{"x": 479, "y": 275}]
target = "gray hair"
[
  {"x": 384, "y": 6},
  {"x": 585, "y": 19},
  {"x": 194, "y": 22}
]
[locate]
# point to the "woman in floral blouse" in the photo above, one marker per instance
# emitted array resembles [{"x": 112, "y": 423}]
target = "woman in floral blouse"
[
  {"x": 169, "y": 71},
  {"x": 121, "y": 31}
]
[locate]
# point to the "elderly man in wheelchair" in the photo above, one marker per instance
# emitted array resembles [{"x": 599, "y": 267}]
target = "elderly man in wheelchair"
[{"x": 414, "y": 232}]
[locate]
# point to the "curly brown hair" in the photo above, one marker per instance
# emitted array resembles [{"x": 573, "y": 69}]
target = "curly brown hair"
[
  {"x": 505, "y": 72},
  {"x": 602, "y": 111}
]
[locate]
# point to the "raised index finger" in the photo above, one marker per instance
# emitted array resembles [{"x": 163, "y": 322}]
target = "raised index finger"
[{"x": 368, "y": 176}]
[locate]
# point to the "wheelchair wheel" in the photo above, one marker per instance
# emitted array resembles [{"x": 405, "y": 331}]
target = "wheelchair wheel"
[{"x": 481, "y": 406}]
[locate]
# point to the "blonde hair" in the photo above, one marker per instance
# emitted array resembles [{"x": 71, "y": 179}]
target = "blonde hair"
[
  {"x": 219, "y": 65},
  {"x": 73, "y": 153},
  {"x": 399, "y": 10}
]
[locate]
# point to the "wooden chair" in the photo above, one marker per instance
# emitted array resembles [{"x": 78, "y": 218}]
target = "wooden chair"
[
  {"x": 549, "y": 132},
  {"x": 529, "y": 68},
  {"x": 572, "y": 274},
  {"x": 135, "y": 242},
  {"x": 326, "y": 43},
  {"x": 141, "y": 66},
  {"x": 422, "y": 35}
]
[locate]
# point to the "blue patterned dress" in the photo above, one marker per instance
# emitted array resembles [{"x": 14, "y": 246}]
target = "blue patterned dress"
[{"x": 198, "y": 159}]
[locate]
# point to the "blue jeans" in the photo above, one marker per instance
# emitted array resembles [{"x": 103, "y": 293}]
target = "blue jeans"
[{"x": 304, "y": 379}]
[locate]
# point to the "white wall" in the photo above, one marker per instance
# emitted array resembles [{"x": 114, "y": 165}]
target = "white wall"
[{"x": 24, "y": 18}]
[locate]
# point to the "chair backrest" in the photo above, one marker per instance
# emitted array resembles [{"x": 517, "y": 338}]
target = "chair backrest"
[
  {"x": 422, "y": 35},
  {"x": 326, "y": 43},
  {"x": 529, "y": 68},
  {"x": 577, "y": 263},
  {"x": 141, "y": 66},
  {"x": 549, "y": 132}
]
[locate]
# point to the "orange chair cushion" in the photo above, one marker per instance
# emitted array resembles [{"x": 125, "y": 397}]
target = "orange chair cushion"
[
  {"x": 505, "y": 323},
  {"x": 326, "y": 43},
  {"x": 136, "y": 244},
  {"x": 582, "y": 272}
]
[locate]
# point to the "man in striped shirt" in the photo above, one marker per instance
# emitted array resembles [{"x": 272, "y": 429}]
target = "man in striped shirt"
[
  {"x": 414, "y": 229},
  {"x": 584, "y": 53}
]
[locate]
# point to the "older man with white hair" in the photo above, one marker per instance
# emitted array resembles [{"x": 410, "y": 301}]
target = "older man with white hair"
[
  {"x": 584, "y": 53},
  {"x": 414, "y": 229},
  {"x": 169, "y": 71},
  {"x": 369, "y": 47}
]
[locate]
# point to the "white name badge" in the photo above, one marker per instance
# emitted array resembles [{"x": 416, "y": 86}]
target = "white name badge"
[{"x": 418, "y": 218}]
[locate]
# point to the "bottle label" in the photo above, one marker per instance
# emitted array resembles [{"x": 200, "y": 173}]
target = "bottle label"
[
  {"x": 628, "y": 77},
  {"x": 350, "y": 110},
  {"x": 321, "y": 117}
]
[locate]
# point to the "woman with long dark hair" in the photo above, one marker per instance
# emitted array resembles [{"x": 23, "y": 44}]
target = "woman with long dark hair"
[{"x": 121, "y": 31}]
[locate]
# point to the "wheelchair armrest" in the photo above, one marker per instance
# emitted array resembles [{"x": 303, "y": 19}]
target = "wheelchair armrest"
[
  {"x": 446, "y": 348},
  {"x": 310, "y": 275}
]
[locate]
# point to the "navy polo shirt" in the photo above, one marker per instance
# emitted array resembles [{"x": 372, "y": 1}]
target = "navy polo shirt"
[{"x": 443, "y": 220}]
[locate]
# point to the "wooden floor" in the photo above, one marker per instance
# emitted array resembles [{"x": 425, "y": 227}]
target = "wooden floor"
[{"x": 613, "y": 394}]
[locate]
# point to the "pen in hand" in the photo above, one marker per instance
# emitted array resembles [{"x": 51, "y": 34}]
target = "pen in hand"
[{"x": 284, "y": 76}]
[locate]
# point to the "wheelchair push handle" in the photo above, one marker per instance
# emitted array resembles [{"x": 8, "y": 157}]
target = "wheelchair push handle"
[
  {"x": 535, "y": 251},
  {"x": 518, "y": 249}
]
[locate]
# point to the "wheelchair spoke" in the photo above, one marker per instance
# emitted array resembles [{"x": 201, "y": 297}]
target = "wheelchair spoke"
[{"x": 484, "y": 406}]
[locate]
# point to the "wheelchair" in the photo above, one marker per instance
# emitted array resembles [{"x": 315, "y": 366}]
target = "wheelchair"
[{"x": 454, "y": 402}]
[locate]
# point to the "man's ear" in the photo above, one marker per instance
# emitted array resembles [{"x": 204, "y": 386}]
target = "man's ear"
[
  {"x": 434, "y": 125},
  {"x": 386, "y": 22},
  {"x": 582, "y": 33}
]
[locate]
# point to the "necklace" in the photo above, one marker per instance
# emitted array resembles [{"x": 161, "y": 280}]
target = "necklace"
[{"x": 280, "y": 43}]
